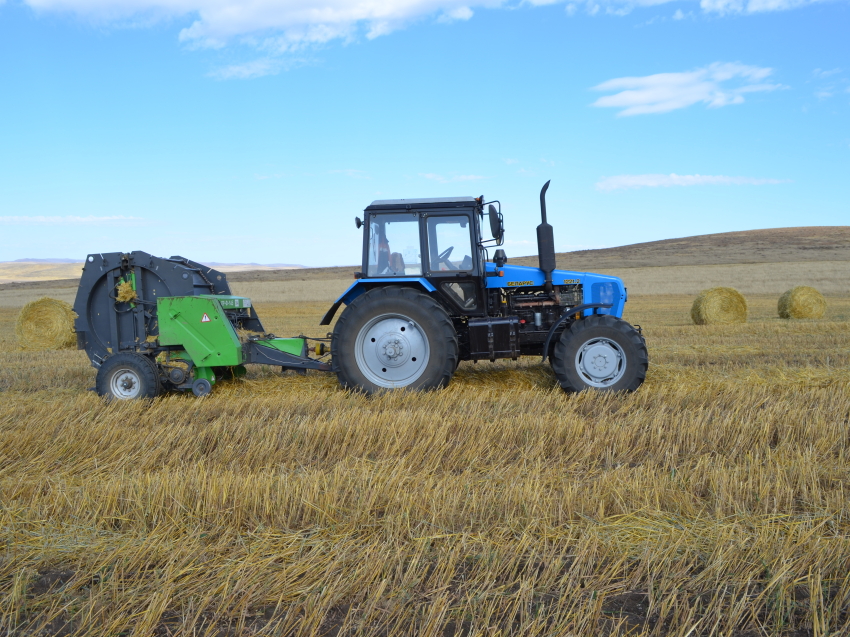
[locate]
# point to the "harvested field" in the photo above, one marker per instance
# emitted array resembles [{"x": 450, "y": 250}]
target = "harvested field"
[
  {"x": 830, "y": 277},
  {"x": 714, "y": 501}
]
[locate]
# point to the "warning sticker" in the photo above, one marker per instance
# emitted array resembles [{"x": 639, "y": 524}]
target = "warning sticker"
[{"x": 205, "y": 318}]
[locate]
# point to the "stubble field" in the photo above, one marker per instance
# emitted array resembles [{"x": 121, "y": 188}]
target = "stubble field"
[{"x": 714, "y": 501}]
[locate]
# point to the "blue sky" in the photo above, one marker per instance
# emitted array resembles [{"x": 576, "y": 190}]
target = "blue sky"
[{"x": 254, "y": 132}]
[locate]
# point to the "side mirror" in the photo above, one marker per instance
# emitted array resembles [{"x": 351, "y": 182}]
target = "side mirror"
[
  {"x": 496, "y": 228},
  {"x": 358, "y": 223}
]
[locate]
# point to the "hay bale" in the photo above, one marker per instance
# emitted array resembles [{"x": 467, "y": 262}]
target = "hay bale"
[
  {"x": 46, "y": 324},
  {"x": 801, "y": 302},
  {"x": 719, "y": 306}
]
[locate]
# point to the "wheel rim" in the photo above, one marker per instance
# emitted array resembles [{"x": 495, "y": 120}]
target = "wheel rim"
[
  {"x": 392, "y": 350},
  {"x": 125, "y": 383},
  {"x": 601, "y": 362}
]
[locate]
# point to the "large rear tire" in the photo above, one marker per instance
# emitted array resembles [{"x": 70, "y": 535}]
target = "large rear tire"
[
  {"x": 394, "y": 338},
  {"x": 600, "y": 352},
  {"x": 128, "y": 376}
]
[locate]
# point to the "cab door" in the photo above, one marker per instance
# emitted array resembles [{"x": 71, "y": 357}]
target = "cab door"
[{"x": 451, "y": 264}]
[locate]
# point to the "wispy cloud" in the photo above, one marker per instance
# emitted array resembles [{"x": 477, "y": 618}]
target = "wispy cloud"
[
  {"x": 445, "y": 180},
  {"x": 70, "y": 221},
  {"x": 821, "y": 74},
  {"x": 351, "y": 172},
  {"x": 249, "y": 70},
  {"x": 718, "y": 84},
  {"x": 752, "y": 6},
  {"x": 828, "y": 84},
  {"x": 453, "y": 15},
  {"x": 620, "y": 182}
]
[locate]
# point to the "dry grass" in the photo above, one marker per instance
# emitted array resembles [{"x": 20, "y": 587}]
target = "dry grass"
[
  {"x": 714, "y": 501},
  {"x": 28, "y": 271}
]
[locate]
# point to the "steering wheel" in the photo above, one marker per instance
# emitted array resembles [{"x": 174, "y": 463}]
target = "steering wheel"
[{"x": 443, "y": 257}]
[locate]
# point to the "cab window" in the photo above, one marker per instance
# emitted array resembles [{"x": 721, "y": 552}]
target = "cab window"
[
  {"x": 449, "y": 244},
  {"x": 394, "y": 245}
]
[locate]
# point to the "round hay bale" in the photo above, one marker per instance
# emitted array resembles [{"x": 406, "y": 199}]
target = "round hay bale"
[
  {"x": 46, "y": 324},
  {"x": 801, "y": 302},
  {"x": 719, "y": 306}
]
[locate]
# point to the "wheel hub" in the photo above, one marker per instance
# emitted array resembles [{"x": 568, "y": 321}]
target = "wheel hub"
[
  {"x": 600, "y": 361},
  {"x": 391, "y": 351},
  {"x": 126, "y": 384}
]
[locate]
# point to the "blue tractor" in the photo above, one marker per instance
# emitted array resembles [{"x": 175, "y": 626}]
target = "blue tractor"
[{"x": 428, "y": 297}]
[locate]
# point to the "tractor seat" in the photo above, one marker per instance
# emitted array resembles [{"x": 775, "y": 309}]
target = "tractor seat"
[{"x": 396, "y": 263}]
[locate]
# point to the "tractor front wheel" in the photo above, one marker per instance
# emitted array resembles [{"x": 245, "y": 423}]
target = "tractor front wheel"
[
  {"x": 394, "y": 338},
  {"x": 126, "y": 376},
  {"x": 600, "y": 352}
]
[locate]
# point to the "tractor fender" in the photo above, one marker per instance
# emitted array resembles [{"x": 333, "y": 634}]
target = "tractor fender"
[
  {"x": 363, "y": 285},
  {"x": 570, "y": 312}
]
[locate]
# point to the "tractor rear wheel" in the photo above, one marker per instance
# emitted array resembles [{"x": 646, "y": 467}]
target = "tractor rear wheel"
[
  {"x": 600, "y": 352},
  {"x": 126, "y": 376},
  {"x": 394, "y": 338}
]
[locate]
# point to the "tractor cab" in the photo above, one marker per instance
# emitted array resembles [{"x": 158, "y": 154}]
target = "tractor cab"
[{"x": 432, "y": 241}]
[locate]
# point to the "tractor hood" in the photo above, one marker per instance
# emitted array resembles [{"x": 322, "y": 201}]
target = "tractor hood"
[{"x": 597, "y": 288}]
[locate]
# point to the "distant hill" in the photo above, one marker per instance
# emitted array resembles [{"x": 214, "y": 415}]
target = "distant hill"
[
  {"x": 776, "y": 245},
  {"x": 46, "y": 261}
]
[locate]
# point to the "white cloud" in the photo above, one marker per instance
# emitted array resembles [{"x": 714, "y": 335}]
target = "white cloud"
[
  {"x": 657, "y": 181},
  {"x": 718, "y": 84},
  {"x": 283, "y": 26},
  {"x": 752, "y": 6},
  {"x": 70, "y": 221},
  {"x": 286, "y": 24},
  {"x": 461, "y": 13},
  {"x": 444, "y": 180}
]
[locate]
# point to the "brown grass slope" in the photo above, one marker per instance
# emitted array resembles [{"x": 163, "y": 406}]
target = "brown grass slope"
[
  {"x": 775, "y": 245},
  {"x": 714, "y": 501}
]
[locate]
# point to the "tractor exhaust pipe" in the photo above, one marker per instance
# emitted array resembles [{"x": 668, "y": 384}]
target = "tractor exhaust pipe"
[{"x": 545, "y": 243}]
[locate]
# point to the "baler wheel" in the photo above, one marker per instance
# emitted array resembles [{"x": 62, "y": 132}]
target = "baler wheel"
[
  {"x": 127, "y": 376},
  {"x": 201, "y": 387},
  {"x": 394, "y": 338},
  {"x": 600, "y": 352}
]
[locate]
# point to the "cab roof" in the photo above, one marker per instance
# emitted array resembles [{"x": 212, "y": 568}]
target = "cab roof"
[{"x": 431, "y": 202}]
